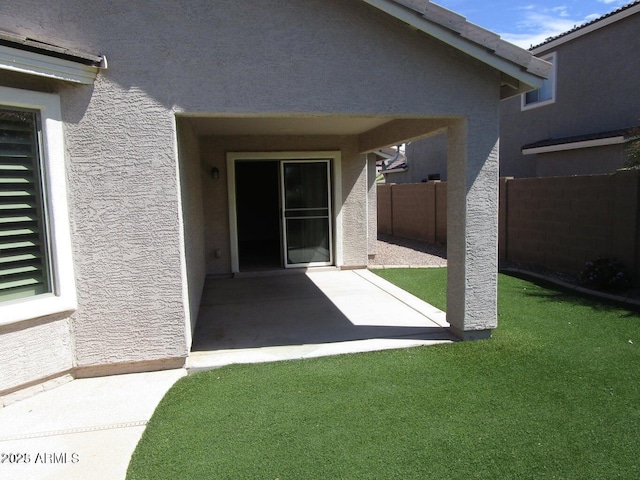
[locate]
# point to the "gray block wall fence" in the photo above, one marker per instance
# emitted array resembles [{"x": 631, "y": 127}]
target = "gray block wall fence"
[{"x": 557, "y": 222}]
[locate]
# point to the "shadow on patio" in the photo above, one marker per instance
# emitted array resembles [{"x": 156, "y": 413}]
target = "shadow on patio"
[{"x": 299, "y": 315}]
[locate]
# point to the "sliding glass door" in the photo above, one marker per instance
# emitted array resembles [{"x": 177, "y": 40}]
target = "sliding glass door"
[{"x": 306, "y": 212}]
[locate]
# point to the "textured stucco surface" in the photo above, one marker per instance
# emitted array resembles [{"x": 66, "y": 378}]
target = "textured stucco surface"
[
  {"x": 191, "y": 174},
  {"x": 372, "y": 206},
  {"x": 34, "y": 351},
  {"x": 472, "y": 225},
  {"x": 354, "y": 208},
  {"x": 270, "y": 57},
  {"x": 126, "y": 228}
]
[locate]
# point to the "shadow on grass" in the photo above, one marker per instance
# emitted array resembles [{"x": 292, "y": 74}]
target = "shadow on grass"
[{"x": 558, "y": 293}]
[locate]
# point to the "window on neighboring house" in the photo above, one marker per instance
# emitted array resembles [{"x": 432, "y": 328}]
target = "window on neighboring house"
[
  {"x": 36, "y": 273},
  {"x": 547, "y": 93}
]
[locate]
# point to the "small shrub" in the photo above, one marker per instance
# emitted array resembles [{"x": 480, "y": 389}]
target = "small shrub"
[
  {"x": 633, "y": 155},
  {"x": 605, "y": 274}
]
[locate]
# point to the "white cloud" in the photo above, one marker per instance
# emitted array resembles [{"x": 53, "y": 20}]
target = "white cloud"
[
  {"x": 563, "y": 11},
  {"x": 591, "y": 17},
  {"x": 536, "y": 27},
  {"x": 539, "y": 24},
  {"x": 533, "y": 21}
]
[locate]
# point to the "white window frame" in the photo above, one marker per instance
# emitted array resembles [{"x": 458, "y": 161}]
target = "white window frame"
[
  {"x": 553, "y": 78},
  {"x": 63, "y": 297}
]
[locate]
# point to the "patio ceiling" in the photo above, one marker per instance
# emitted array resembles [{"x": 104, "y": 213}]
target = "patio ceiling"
[
  {"x": 373, "y": 132},
  {"x": 286, "y": 125}
]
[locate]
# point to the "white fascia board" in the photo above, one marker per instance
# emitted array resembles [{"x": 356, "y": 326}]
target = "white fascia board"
[
  {"x": 601, "y": 142},
  {"x": 388, "y": 156},
  {"x": 587, "y": 29},
  {"x": 46, "y": 66},
  {"x": 454, "y": 39}
]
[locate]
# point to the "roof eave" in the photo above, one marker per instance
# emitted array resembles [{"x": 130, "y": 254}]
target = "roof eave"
[
  {"x": 394, "y": 170},
  {"x": 32, "y": 57},
  {"x": 487, "y": 47}
]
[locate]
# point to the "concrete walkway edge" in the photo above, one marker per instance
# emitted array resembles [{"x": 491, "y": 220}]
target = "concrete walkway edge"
[{"x": 87, "y": 428}]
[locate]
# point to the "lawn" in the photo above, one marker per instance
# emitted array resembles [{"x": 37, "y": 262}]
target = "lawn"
[{"x": 554, "y": 394}]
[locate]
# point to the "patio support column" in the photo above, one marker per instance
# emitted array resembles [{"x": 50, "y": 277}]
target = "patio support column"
[
  {"x": 472, "y": 227},
  {"x": 372, "y": 207}
]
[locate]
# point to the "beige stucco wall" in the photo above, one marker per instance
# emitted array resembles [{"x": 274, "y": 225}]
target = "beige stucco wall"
[
  {"x": 191, "y": 174},
  {"x": 137, "y": 287},
  {"x": 126, "y": 228},
  {"x": 34, "y": 350},
  {"x": 269, "y": 56},
  {"x": 372, "y": 207},
  {"x": 472, "y": 225}
]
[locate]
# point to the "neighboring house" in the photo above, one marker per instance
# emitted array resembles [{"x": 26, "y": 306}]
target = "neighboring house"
[
  {"x": 581, "y": 121},
  {"x": 426, "y": 160},
  {"x": 429, "y": 159},
  {"x": 390, "y": 160},
  {"x": 128, "y": 174}
]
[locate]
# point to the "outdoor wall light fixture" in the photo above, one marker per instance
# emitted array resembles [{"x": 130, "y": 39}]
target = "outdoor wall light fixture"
[{"x": 215, "y": 173}]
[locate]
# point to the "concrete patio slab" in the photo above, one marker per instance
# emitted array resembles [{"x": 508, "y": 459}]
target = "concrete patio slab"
[
  {"x": 305, "y": 315},
  {"x": 89, "y": 428}
]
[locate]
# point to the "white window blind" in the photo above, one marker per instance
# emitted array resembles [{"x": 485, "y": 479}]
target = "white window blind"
[{"x": 24, "y": 257}]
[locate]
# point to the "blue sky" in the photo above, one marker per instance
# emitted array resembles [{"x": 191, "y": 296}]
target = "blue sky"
[{"x": 530, "y": 22}]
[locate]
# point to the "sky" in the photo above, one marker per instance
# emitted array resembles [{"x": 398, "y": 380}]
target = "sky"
[{"x": 529, "y": 22}]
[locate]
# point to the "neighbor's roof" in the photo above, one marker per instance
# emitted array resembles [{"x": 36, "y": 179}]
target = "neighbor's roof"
[
  {"x": 579, "y": 30},
  {"x": 522, "y": 70},
  {"x": 597, "y": 139}
]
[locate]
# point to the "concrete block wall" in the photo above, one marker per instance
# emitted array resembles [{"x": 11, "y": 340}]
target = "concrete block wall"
[
  {"x": 441, "y": 212},
  {"x": 556, "y": 222},
  {"x": 384, "y": 208},
  {"x": 414, "y": 210},
  {"x": 559, "y": 222}
]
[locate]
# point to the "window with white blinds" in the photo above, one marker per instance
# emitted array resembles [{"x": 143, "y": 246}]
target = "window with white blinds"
[
  {"x": 36, "y": 258},
  {"x": 24, "y": 253}
]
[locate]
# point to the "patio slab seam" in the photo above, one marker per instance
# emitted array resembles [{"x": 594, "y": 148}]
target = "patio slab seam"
[
  {"x": 406, "y": 298},
  {"x": 70, "y": 431}
]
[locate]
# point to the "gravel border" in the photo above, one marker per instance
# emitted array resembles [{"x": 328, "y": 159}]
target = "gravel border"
[{"x": 398, "y": 252}]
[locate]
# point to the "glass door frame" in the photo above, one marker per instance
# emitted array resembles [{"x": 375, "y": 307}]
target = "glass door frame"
[
  {"x": 334, "y": 156},
  {"x": 284, "y": 210}
]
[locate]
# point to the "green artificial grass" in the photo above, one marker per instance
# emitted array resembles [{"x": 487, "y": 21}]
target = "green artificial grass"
[{"x": 554, "y": 394}]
